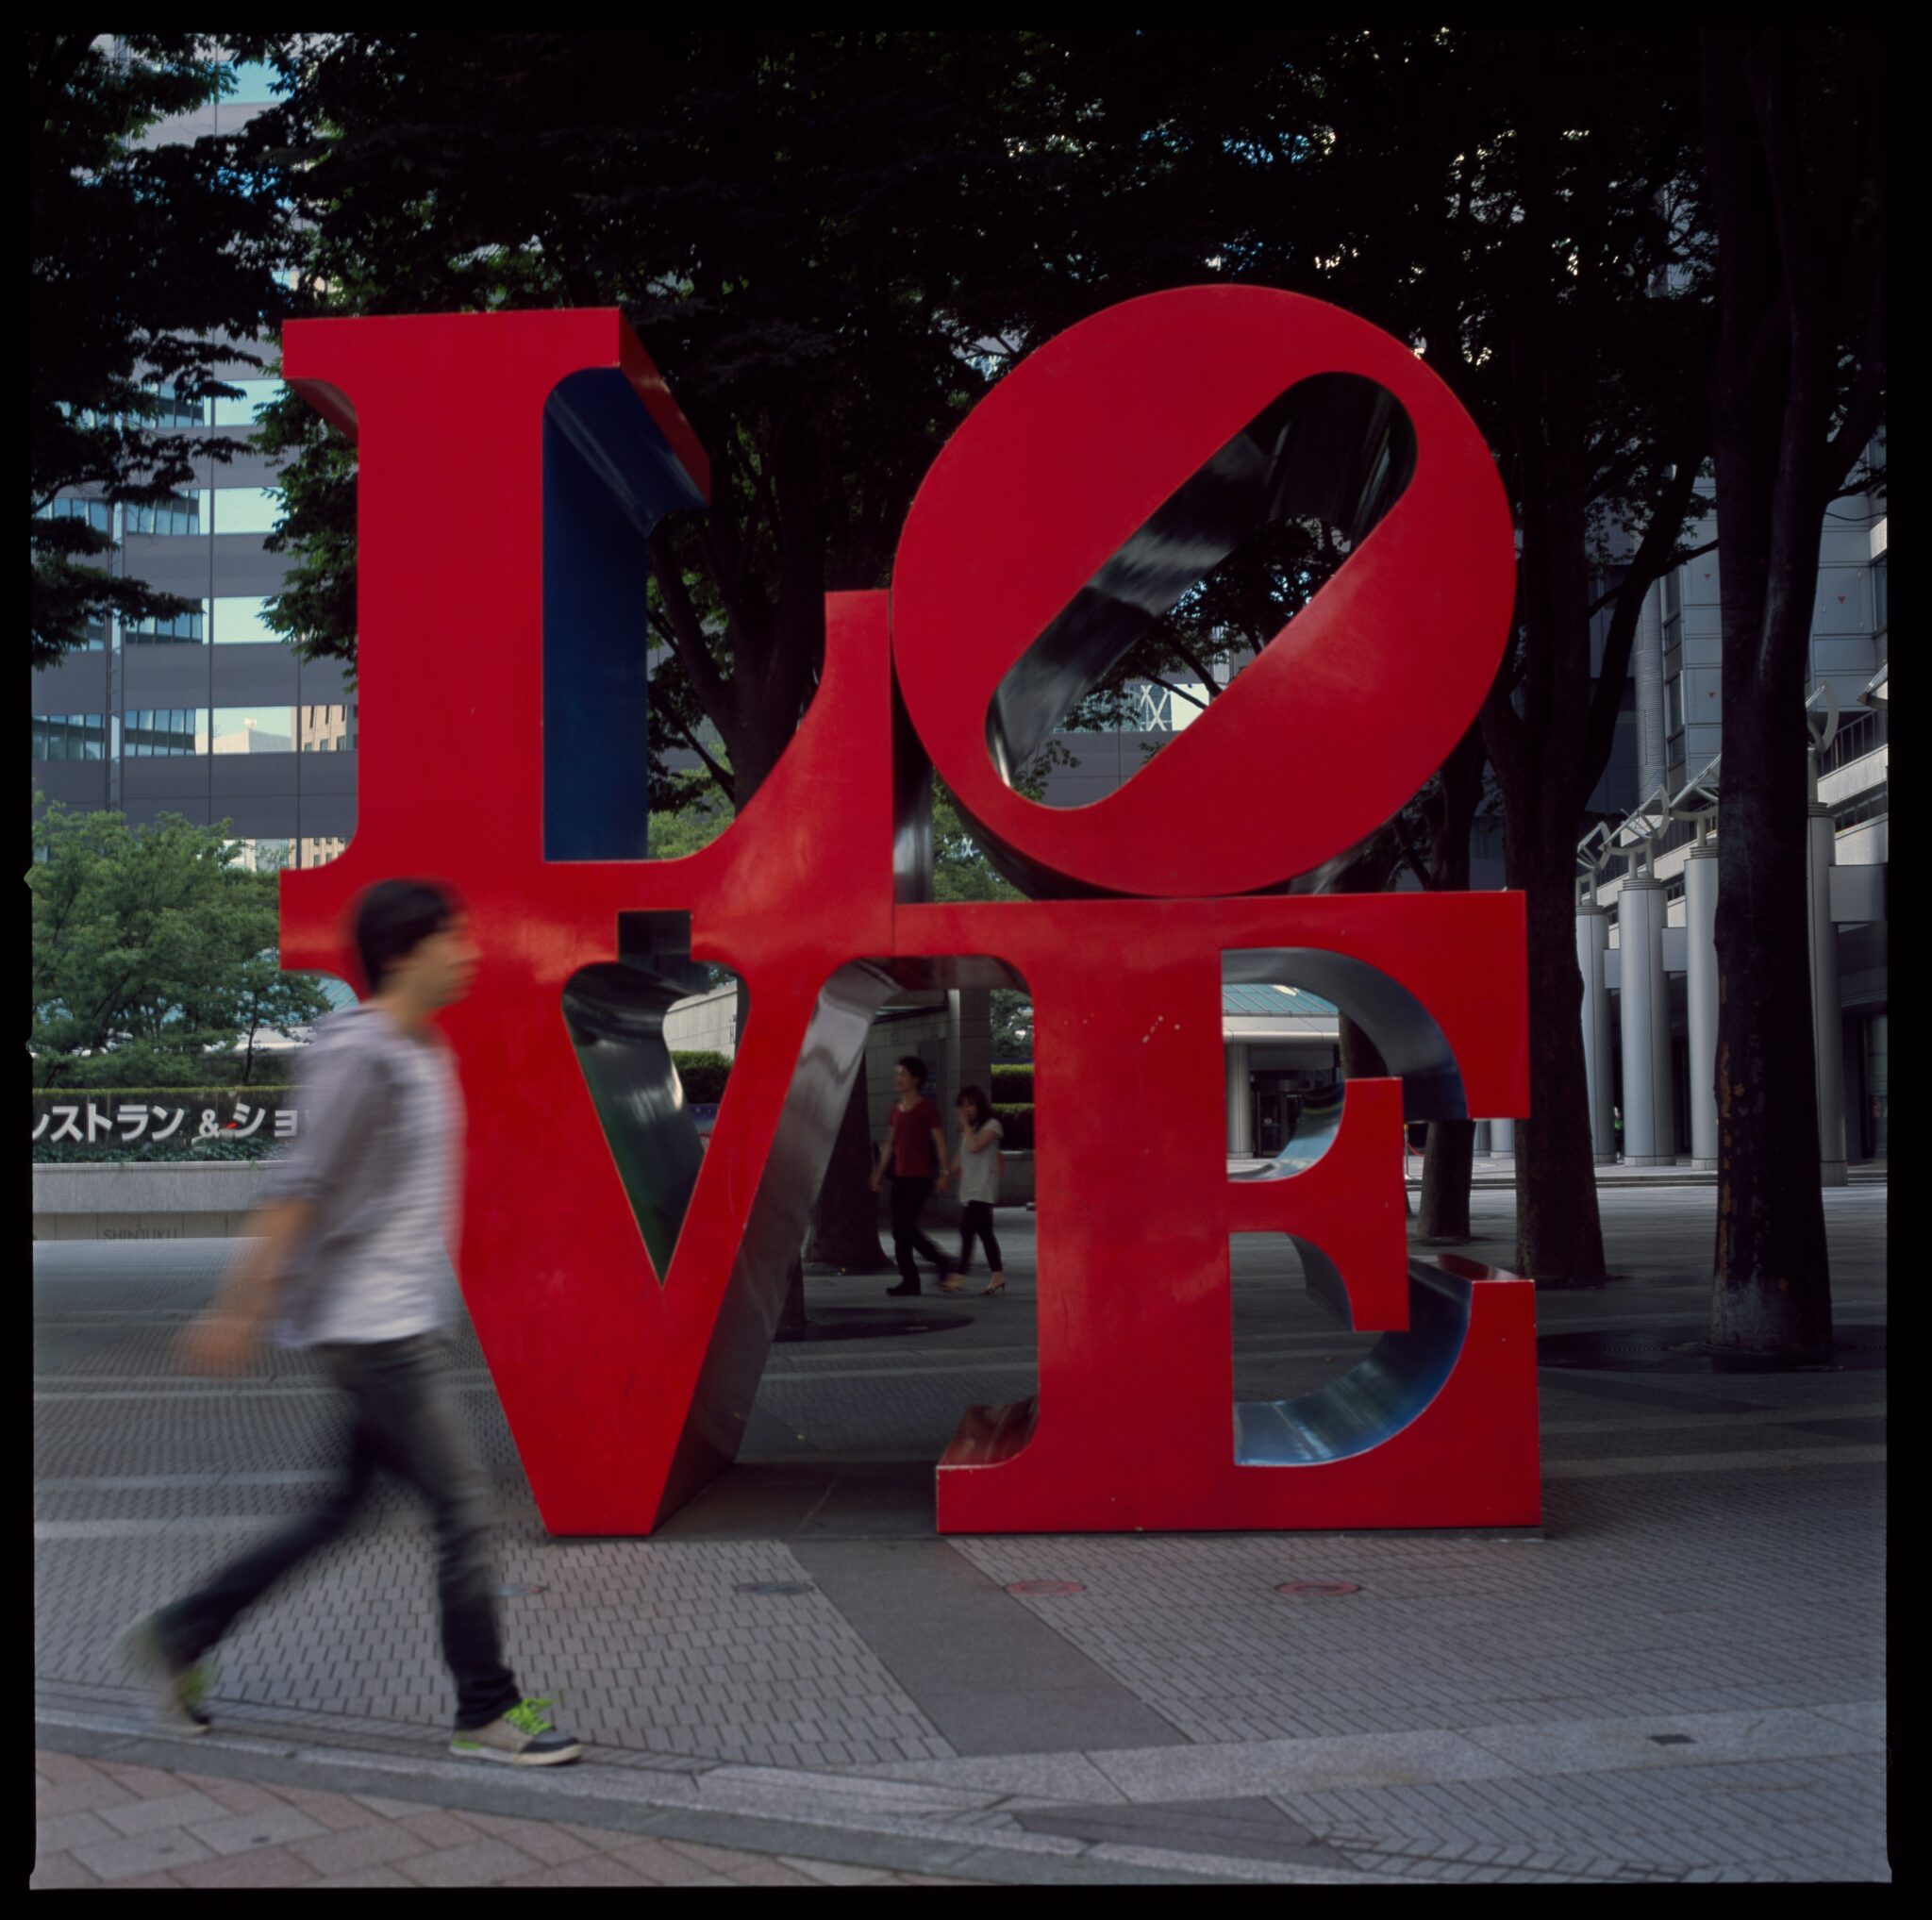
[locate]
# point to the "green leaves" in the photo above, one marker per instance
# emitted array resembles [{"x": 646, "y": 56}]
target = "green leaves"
[
  {"x": 151, "y": 946},
  {"x": 148, "y": 263}
]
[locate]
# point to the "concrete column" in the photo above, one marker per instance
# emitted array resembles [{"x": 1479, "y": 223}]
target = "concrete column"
[
  {"x": 970, "y": 1024},
  {"x": 1593, "y": 942},
  {"x": 1241, "y": 1101},
  {"x": 1646, "y": 1037},
  {"x": 1503, "y": 1137},
  {"x": 1648, "y": 678},
  {"x": 1482, "y": 1137},
  {"x": 1700, "y": 991},
  {"x": 1827, "y": 1034}
]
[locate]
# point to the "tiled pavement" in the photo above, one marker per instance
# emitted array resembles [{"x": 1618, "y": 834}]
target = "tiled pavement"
[
  {"x": 108, "y": 1823},
  {"x": 1679, "y": 1681}
]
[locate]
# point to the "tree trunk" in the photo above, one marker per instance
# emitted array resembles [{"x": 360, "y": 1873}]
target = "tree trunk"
[
  {"x": 1449, "y": 1156},
  {"x": 1361, "y": 1059},
  {"x": 1559, "y": 1232},
  {"x": 1539, "y": 757},
  {"x": 845, "y": 1218},
  {"x": 1448, "y": 1161},
  {"x": 792, "y": 1320},
  {"x": 1771, "y": 390}
]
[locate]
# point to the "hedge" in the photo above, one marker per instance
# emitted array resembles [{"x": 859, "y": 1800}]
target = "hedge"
[
  {"x": 1016, "y": 1123},
  {"x": 73, "y": 1153},
  {"x": 258, "y": 1093},
  {"x": 1014, "y": 1083},
  {"x": 704, "y": 1074}
]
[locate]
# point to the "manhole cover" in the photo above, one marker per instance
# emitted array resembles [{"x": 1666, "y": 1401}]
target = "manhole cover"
[
  {"x": 1317, "y": 1590},
  {"x": 516, "y": 1590},
  {"x": 1040, "y": 1590},
  {"x": 775, "y": 1587},
  {"x": 1680, "y": 1350}
]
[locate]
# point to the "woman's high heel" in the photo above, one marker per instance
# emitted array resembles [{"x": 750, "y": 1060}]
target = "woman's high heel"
[{"x": 996, "y": 1287}]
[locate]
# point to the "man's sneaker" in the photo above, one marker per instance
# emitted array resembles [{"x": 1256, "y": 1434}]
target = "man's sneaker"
[
  {"x": 179, "y": 1690},
  {"x": 521, "y": 1737}
]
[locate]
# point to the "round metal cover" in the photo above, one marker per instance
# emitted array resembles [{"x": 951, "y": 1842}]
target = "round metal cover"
[
  {"x": 775, "y": 1587},
  {"x": 1317, "y": 1590},
  {"x": 1037, "y": 1590}
]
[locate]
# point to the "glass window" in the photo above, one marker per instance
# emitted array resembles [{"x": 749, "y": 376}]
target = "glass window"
[
  {"x": 175, "y": 628},
  {"x": 97, "y": 514},
  {"x": 329, "y": 729},
  {"x": 264, "y": 856},
  {"x": 176, "y": 411},
  {"x": 1878, "y": 603},
  {"x": 70, "y": 737},
  {"x": 253, "y": 729},
  {"x": 247, "y": 83},
  {"x": 319, "y": 851},
  {"x": 246, "y": 510},
  {"x": 153, "y": 733},
  {"x": 179, "y": 514},
  {"x": 244, "y": 412},
  {"x": 242, "y": 621}
]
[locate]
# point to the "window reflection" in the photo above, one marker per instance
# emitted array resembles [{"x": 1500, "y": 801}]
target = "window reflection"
[
  {"x": 97, "y": 514},
  {"x": 241, "y": 621},
  {"x": 171, "y": 409},
  {"x": 246, "y": 509},
  {"x": 329, "y": 729},
  {"x": 69, "y": 737},
  {"x": 253, "y": 729},
  {"x": 244, "y": 412},
  {"x": 264, "y": 856},
  {"x": 176, "y": 628},
  {"x": 153, "y": 732},
  {"x": 178, "y": 515},
  {"x": 318, "y": 850}
]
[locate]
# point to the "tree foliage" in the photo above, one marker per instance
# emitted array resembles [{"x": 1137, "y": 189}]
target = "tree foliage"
[
  {"x": 152, "y": 947},
  {"x": 149, "y": 263}
]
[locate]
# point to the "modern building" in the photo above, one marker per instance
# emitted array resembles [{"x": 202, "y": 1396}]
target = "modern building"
[
  {"x": 1647, "y": 889},
  {"x": 210, "y": 715}
]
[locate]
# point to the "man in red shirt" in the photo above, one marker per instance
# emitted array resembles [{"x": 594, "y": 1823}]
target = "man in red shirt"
[{"x": 916, "y": 1156}]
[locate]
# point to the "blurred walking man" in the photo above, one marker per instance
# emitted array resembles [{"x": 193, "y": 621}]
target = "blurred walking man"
[{"x": 348, "y": 1257}]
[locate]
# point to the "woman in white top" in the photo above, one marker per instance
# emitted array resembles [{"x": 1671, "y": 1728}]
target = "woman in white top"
[{"x": 977, "y": 1168}]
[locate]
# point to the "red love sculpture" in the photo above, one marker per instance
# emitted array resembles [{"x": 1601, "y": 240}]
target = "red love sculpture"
[{"x": 623, "y": 1287}]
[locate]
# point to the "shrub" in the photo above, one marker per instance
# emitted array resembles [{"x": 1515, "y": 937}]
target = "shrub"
[
  {"x": 704, "y": 1074},
  {"x": 1016, "y": 1123},
  {"x": 74, "y": 1152},
  {"x": 1014, "y": 1083}
]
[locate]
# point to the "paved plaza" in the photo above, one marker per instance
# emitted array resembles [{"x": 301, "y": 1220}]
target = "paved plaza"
[{"x": 1679, "y": 1678}]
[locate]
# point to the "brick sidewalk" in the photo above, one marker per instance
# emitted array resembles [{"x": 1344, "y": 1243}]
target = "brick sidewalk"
[{"x": 101, "y": 1823}]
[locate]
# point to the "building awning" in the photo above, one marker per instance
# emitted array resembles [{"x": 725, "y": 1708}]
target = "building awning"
[{"x": 1276, "y": 1013}]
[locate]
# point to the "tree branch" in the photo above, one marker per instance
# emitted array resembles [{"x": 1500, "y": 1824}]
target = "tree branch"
[
  {"x": 686, "y": 634},
  {"x": 720, "y": 775}
]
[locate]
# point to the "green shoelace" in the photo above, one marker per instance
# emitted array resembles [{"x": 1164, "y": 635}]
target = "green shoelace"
[{"x": 527, "y": 1718}]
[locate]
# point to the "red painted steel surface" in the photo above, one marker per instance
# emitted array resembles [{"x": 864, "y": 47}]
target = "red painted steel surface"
[
  {"x": 1372, "y": 684},
  {"x": 625, "y": 1390}
]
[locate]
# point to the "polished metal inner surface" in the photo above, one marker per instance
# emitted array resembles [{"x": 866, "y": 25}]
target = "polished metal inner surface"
[
  {"x": 615, "y": 1012},
  {"x": 1401, "y": 1375},
  {"x": 1406, "y": 1035},
  {"x": 1338, "y": 448}
]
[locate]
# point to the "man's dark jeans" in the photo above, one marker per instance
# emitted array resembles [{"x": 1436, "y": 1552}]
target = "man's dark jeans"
[
  {"x": 404, "y": 1421},
  {"x": 908, "y": 1196}
]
